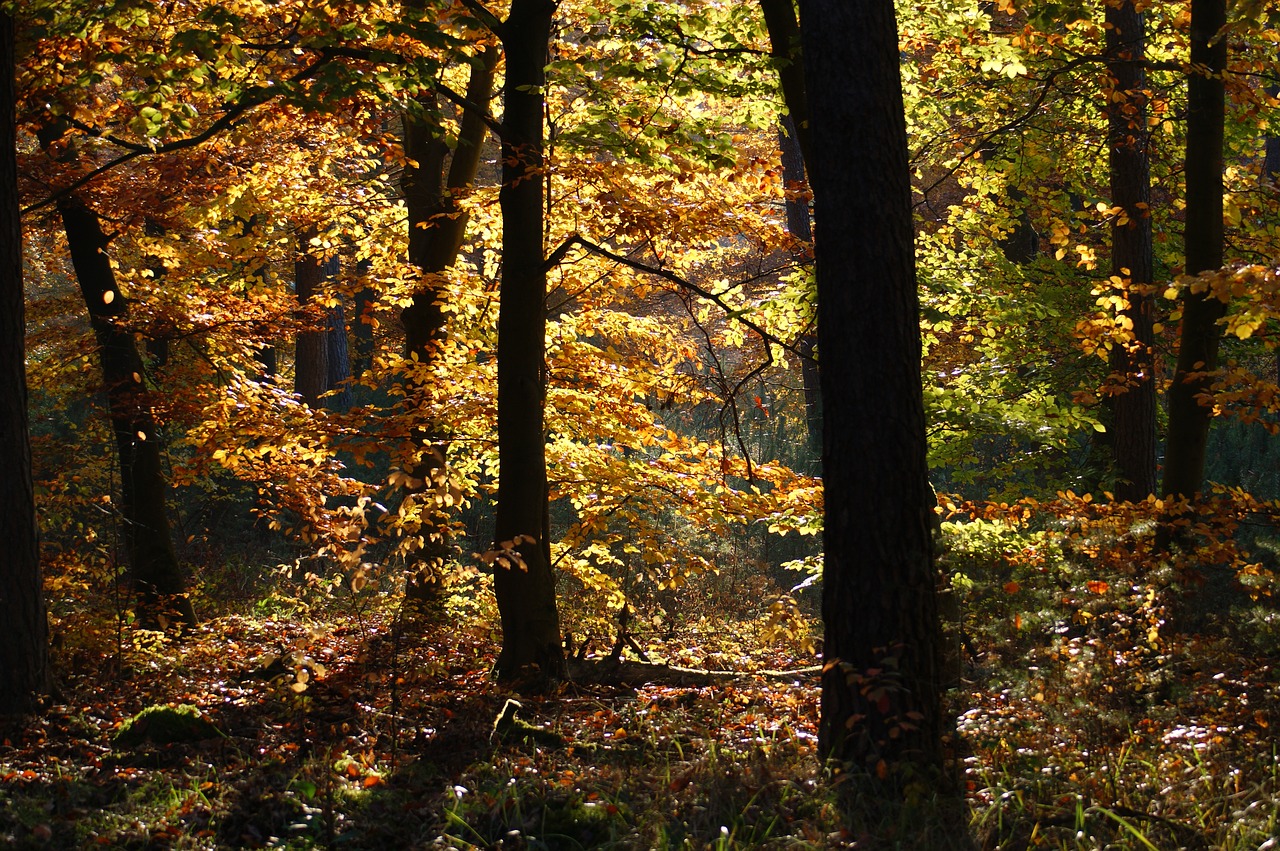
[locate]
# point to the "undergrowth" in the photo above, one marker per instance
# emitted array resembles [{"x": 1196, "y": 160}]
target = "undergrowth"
[{"x": 1105, "y": 699}]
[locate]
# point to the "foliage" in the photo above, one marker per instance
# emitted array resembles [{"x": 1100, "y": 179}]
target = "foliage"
[{"x": 1110, "y": 695}]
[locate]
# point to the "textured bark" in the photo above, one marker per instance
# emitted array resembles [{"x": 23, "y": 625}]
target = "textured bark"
[
  {"x": 437, "y": 227},
  {"x": 24, "y": 650},
  {"x": 880, "y": 692},
  {"x": 1199, "y": 335},
  {"x": 1133, "y": 413},
  {"x": 526, "y": 594}
]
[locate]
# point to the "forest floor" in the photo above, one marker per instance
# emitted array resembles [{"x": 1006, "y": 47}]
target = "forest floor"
[{"x": 357, "y": 729}]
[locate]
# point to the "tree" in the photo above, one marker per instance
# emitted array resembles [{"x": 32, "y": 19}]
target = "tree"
[
  {"x": 311, "y": 348},
  {"x": 1199, "y": 334},
  {"x": 1132, "y": 357},
  {"x": 880, "y": 693},
  {"x": 524, "y": 583},
  {"x": 23, "y": 653},
  {"x": 437, "y": 225},
  {"x": 144, "y": 521}
]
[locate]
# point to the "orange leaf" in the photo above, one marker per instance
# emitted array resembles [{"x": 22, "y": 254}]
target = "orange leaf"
[
  {"x": 1097, "y": 586},
  {"x": 1012, "y": 587}
]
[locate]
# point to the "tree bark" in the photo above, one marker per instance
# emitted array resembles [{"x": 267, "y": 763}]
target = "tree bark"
[
  {"x": 24, "y": 673},
  {"x": 880, "y": 686},
  {"x": 1199, "y": 335},
  {"x": 1133, "y": 411},
  {"x": 525, "y": 592}
]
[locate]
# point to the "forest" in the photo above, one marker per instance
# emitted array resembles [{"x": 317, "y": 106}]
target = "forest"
[{"x": 573, "y": 424}]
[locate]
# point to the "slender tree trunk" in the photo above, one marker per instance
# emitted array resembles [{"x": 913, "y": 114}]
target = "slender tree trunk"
[
  {"x": 337, "y": 351},
  {"x": 526, "y": 593},
  {"x": 1133, "y": 411},
  {"x": 880, "y": 686},
  {"x": 798, "y": 225},
  {"x": 786, "y": 47},
  {"x": 362, "y": 326},
  {"x": 338, "y": 360},
  {"x": 143, "y": 488},
  {"x": 437, "y": 228},
  {"x": 311, "y": 348},
  {"x": 1199, "y": 335},
  {"x": 24, "y": 651}
]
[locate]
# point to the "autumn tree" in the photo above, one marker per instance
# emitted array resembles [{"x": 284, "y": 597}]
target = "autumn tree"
[
  {"x": 23, "y": 659},
  {"x": 144, "y": 519},
  {"x": 524, "y": 583},
  {"x": 880, "y": 691},
  {"x": 1199, "y": 334},
  {"x": 438, "y": 172},
  {"x": 1132, "y": 401}
]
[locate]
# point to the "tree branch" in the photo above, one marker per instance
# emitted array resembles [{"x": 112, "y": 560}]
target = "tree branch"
[
  {"x": 255, "y": 96},
  {"x": 557, "y": 256}
]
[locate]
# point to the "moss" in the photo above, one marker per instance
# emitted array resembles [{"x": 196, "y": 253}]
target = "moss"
[{"x": 165, "y": 725}]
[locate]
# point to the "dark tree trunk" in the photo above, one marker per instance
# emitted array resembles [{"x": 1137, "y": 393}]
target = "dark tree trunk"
[
  {"x": 1199, "y": 334},
  {"x": 145, "y": 522},
  {"x": 1133, "y": 412},
  {"x": 798, "y": 225},
  {"x": 880, "y": 686},
  {"x": 337, "y": 352},
  {"x": 24, "y": 650},
  {"x": 785, "y": 45},
  {"x": 362, "y": 326},
  {"x": 437, "y": 228},
  {"x": 311, "y": 348},
  {"x": 526, "y": 593},
  {"x": 268, "y": 362},
  {"x": 338, "y": 359}
]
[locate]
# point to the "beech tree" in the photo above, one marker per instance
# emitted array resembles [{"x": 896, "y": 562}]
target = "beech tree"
[
  {"x": 524, "y": 582},
  {"x": 1199, "y": 334},
  {"x": 437, "y": 172},
  {"x": 880, "y": 692},
  {"x": 1132, "y": 434},
  {"x": 144, "y": 519},
  {"x": 23, "y": 653}
]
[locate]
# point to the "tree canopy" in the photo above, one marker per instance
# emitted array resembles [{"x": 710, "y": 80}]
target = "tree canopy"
[{"x": 921, "y": 344}]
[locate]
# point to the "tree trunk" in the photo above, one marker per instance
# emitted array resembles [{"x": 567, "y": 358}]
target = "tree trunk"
[
  {"x": 311, "y": 348},
  {"x": 24, "y": 650},
  {"x": 362, "y": 326},
  {"x": 880, "y": 691},
  {"x": 1200, "y": 334},
  {"x": 798, "y": 225},
  {"x": 337, "y": 352},
  {"x": 145, "y": 522},
  {"x": 786, "y": 47},
  {"x": 526, "y": 592},
  {"x": 437, "y": 228},
  {"x": 1133, "y": 411}
]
